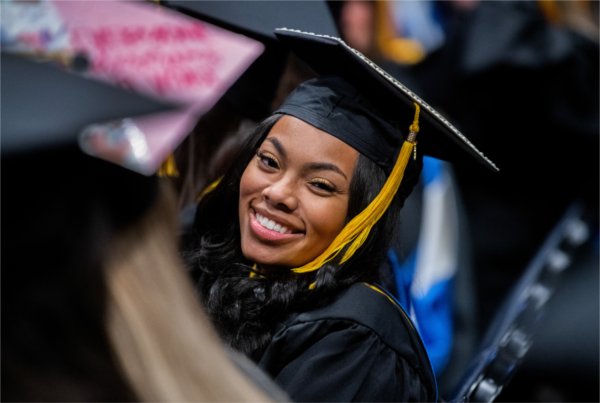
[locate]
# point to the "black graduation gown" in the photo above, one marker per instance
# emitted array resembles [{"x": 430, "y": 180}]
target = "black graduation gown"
[{"x": 361, "y": 347}]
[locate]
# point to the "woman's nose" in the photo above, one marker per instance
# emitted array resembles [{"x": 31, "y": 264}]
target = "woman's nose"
[{"x": 281, "y": 194}]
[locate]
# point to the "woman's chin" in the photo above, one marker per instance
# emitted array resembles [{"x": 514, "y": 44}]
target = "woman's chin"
[{"x": 268, "y": 264}]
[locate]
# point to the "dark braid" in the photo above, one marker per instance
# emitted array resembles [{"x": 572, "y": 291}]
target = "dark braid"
[{"x": 246, "y": 310}]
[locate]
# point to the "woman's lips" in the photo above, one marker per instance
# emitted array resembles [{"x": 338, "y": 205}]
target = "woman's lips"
[
  {"x": 277, "y": 233},
  {"x": 271, "y": 224}
]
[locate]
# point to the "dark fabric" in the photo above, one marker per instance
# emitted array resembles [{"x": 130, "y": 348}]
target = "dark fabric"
[
  {"x": 258, "y": 377},
  {"x": 331, "y": 104},
  {"x": 61, "y": 102},
  {"x": 360, "y": 347},
  {"x": 527, "y": 92}
]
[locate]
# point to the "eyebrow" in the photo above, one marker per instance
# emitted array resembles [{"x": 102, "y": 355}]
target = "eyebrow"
[
  {"x": 319, "y": 166},
  {"x": 314, "y": 166},
  {"x": 278, "y": 146}
]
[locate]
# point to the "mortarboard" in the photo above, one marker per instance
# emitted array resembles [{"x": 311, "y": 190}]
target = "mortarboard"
[
  {"x": 45, "y": 106},
  {"x": 356, "y": 101}
]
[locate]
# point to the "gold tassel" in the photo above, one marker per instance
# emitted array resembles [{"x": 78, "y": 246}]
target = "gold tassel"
[
  {"x": 212, "y": 186},
  {"x": 168, "y": 168},
  {"x": 354, "y": 234}
]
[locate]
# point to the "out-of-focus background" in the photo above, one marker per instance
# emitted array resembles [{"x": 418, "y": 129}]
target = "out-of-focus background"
[{"x": 519, "y": 78}]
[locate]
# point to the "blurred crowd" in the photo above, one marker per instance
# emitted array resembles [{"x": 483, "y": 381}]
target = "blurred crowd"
[{"x": 97, "y": 304}]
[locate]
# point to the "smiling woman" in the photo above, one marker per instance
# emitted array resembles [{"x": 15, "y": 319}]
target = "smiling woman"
[
  {"x": 286, "y": 249},
  {"x": 294, "y": 190},
  {"x": 294, "y": 195}
]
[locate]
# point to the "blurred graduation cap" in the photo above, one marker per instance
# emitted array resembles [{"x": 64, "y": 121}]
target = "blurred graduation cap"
[
  {"x": 366, "y": 90},
  {"x": 45, "y": 106},
  {"x": 46, "y": 116},
  {"x": 254, "y": 91},
  {"x": 356, "y": 101}
]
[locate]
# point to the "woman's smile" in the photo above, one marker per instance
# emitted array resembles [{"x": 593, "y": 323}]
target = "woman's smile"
[
  {"x": 270, "y": 229},
  {"x": 271, "y": 225},
  {"x": 294, "y": 194}
]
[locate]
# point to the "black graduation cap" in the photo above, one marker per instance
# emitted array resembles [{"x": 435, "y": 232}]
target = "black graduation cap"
[
  {"x": 44, "y": 105},
  {"x": 252, "y": 94},
  {"x": 358, "y": 102}
]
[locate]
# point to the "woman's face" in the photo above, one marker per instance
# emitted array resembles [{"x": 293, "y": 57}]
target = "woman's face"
[{"x": 294, "y": 194}]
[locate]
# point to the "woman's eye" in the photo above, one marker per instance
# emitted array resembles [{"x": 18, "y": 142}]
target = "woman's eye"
[
  {"x": 323, "y": 186},
  {"x": 267, "y": 160}
]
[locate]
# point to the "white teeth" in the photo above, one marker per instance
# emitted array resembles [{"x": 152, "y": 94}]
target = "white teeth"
[{"x": 272, "y": 225}]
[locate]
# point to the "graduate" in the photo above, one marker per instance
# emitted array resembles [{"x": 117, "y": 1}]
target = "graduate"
[{"x": 287, "y": 245}]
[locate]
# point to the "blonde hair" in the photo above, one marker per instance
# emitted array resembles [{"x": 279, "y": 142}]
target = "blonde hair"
[{"x": 161, "y": 337}]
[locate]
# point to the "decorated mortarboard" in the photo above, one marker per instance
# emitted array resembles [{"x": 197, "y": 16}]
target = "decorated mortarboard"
[
  {"x": 358, "y": 102},
  {"x": 157, "y": 53},
  {"x": 139, "y": 45}
]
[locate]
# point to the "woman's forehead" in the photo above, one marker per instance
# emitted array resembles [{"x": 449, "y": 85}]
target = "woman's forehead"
[
  {"x": 294, "y": 135},
  {"x": 292, "y": 131}
]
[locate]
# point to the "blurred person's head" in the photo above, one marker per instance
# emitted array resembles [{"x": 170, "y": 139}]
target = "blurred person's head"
[
  {"x": 357, "y": 23},
  {"x": 371, "y": 27},
  {"x": 98, "y": 306}
]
